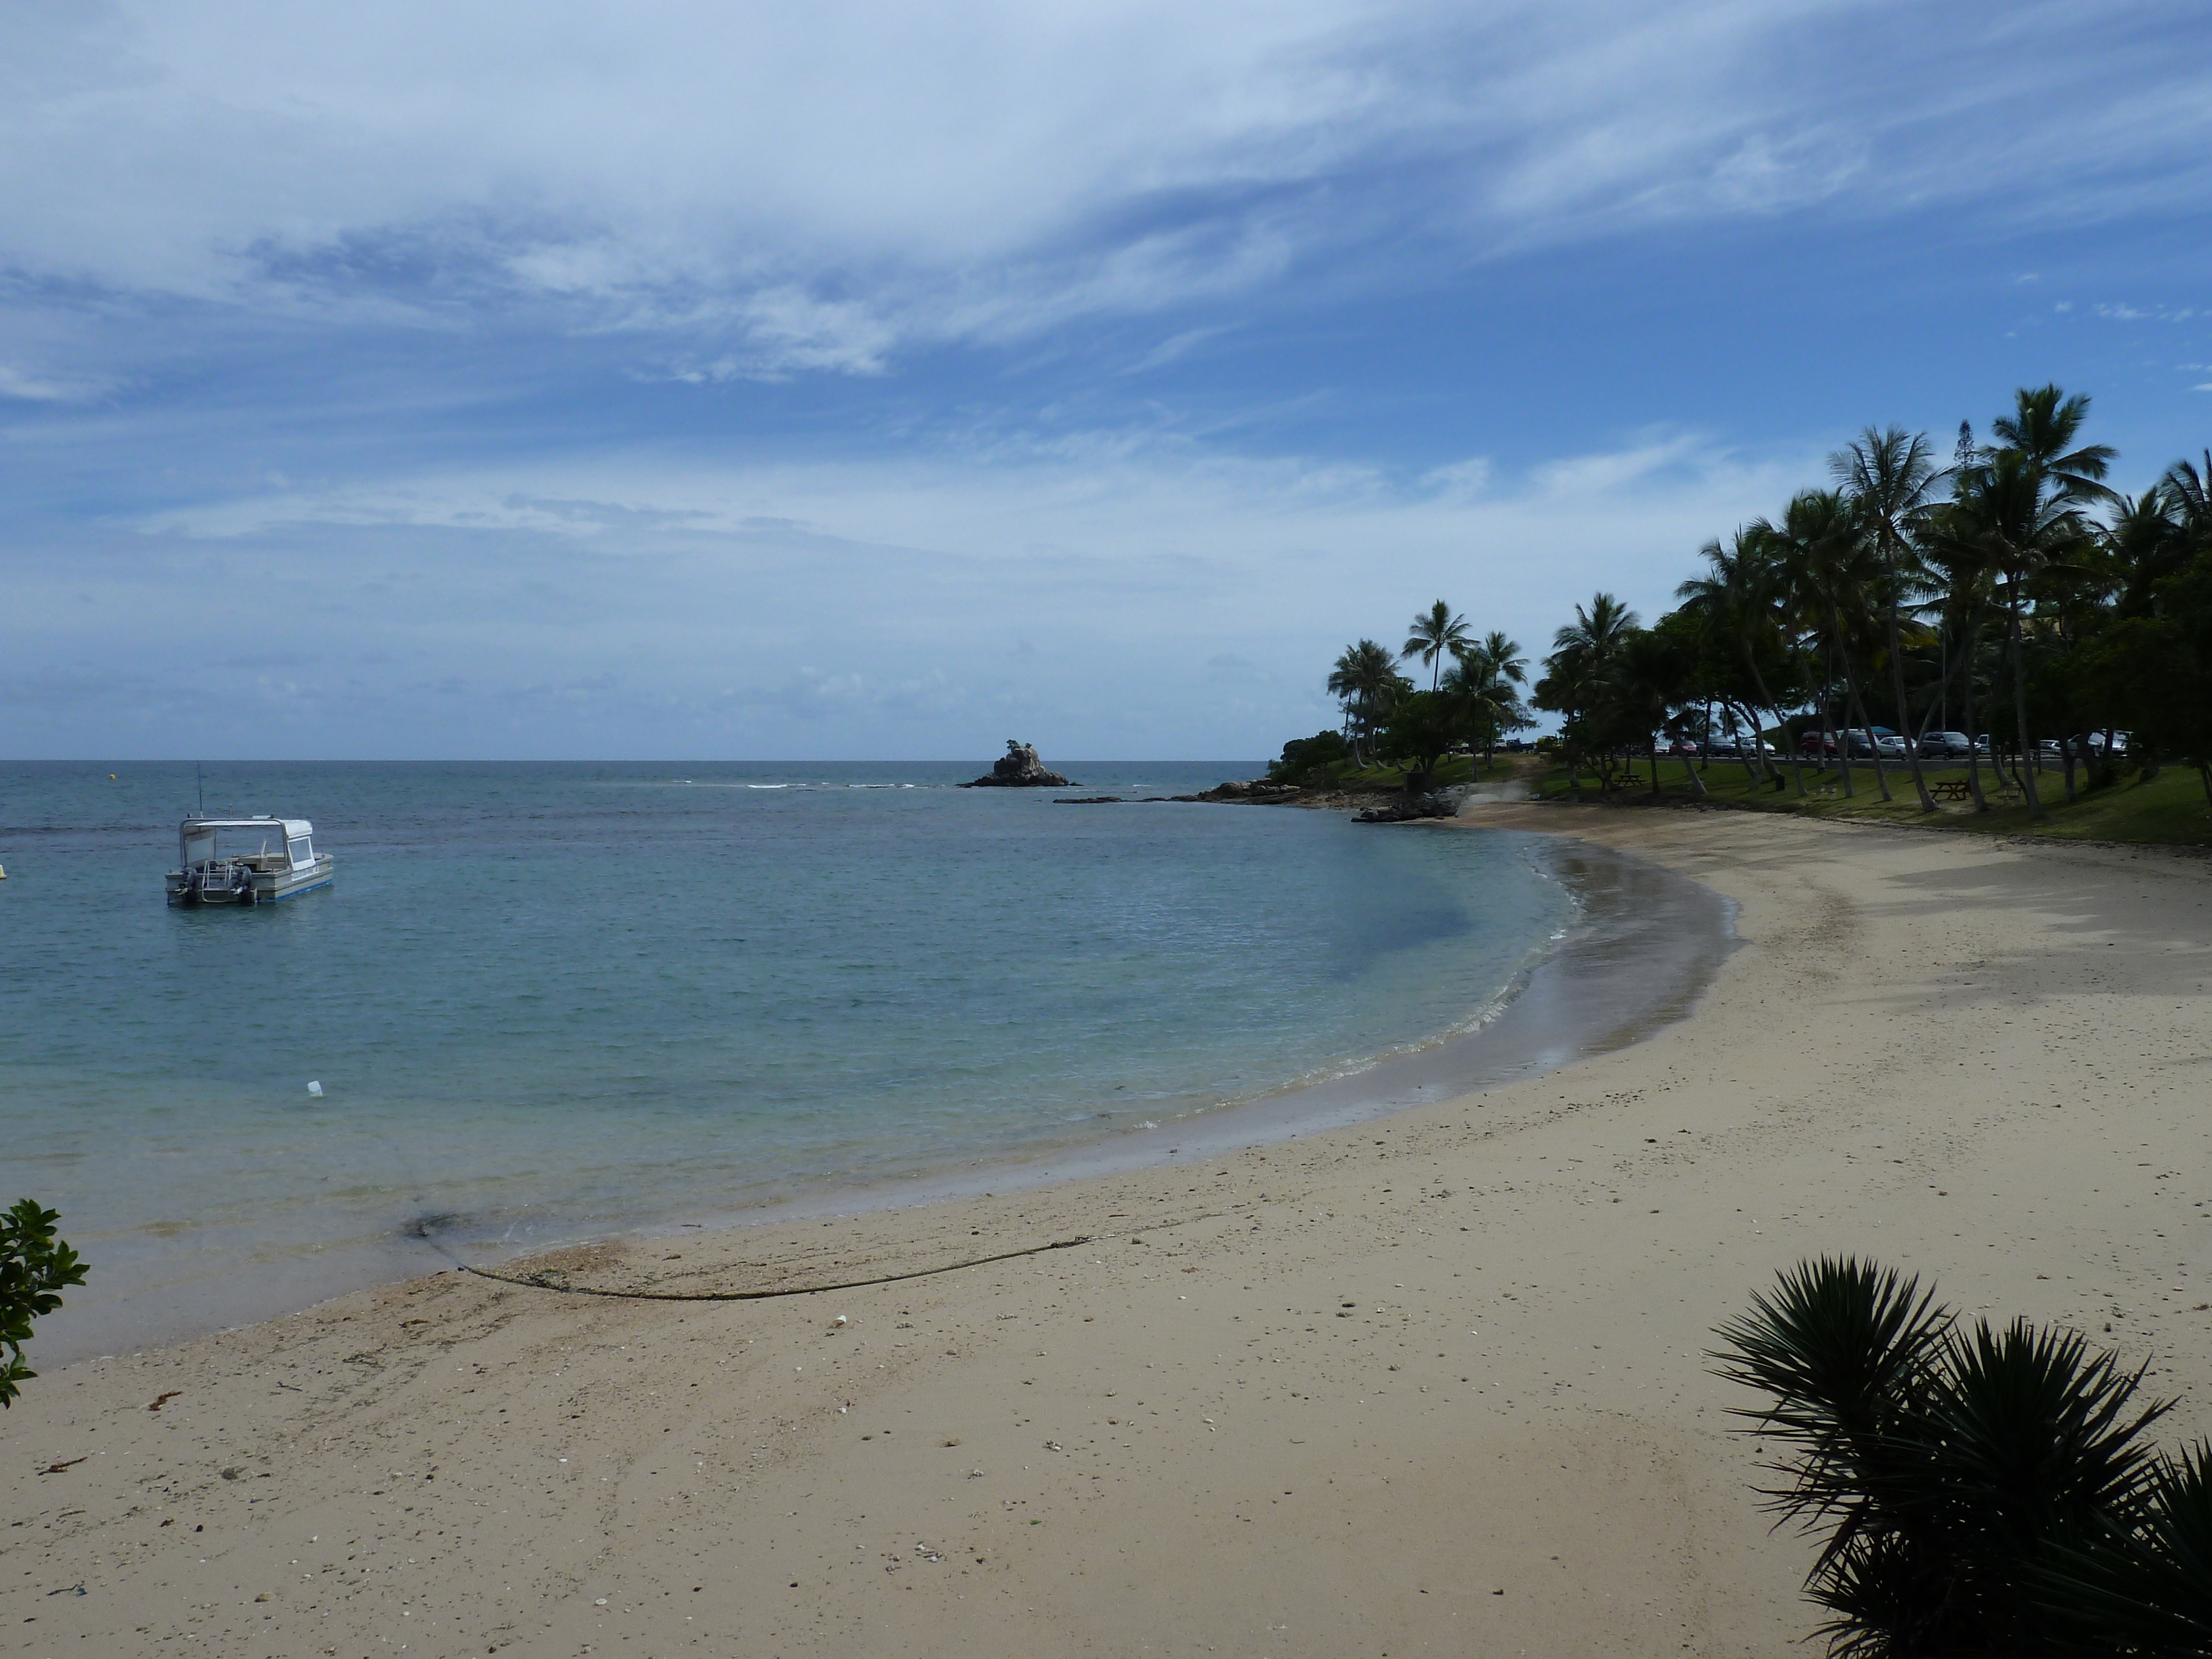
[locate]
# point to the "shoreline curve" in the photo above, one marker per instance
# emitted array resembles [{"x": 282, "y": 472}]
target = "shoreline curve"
[{"x": 1644, "y": 947}]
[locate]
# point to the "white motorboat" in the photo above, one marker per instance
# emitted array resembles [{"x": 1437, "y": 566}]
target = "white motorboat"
[{"x": 283, "y": 861}]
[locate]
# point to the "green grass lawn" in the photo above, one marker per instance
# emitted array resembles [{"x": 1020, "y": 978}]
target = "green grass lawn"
[{"x": 2170, "y": 809}]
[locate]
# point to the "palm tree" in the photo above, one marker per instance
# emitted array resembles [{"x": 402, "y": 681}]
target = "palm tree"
[
  {"x": 1738, "y": 595},
  {"x": 2145, "y": 540},
  {"x": 2043, "y": 421},
  {"x": 1651, "y": 677},
  {"x": 2044, "y": 485},
  {"x": 2022, "y": 522},
  {"x": 1365, "y": 679},
  {"x": 1820, "y": 555},
  {"x": 2188, "y": 493},
  {"x": 1596, "y": 634},
  {"x": 1483, "y": 698},
  {"x": 1435, "y": 635},
  {"x": 1886, "y": 477},
  {"x": 1503, "y": 654},
  {"x": 1577, "y": 672},
  {"x": 1487, "y": 673},
  {"x": 1953, "y": 551}
]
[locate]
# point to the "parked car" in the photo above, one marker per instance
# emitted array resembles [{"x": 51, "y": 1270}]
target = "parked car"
[
  {"x": 2090, "y": 743},
  {"x": 1825, "y": 743},
  {"x": 1683, "y": 747},
  {"x": 1953, "y": 746}
]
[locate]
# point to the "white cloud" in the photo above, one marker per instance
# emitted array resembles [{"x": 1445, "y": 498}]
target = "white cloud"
[
  {"x": 1462, "y": 479},
  {"x": 1124, "y": 594},
  {"x": 2128, "y": 313},
  {"x": 31, "y": 388},
  {"x": 1580, "y": 476},
  {"x": 793, "y": 188}
]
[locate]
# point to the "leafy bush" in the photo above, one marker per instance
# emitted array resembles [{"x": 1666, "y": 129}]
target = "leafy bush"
[
  {"x": 1983, "y": 1492},
  {"x": 35, "y": 1267},
  {"x": 1423, "y": 730},
  {"x": 1303, "y": 757}
]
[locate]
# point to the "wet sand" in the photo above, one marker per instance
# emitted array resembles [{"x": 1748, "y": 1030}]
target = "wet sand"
[{"x": 1430, "y": 1383}]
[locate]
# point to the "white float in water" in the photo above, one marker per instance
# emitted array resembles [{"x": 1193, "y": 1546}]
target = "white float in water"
[{"x": 316, "y": 1090}]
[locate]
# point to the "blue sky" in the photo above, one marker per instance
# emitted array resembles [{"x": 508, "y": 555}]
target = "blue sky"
[{"x": 865, "y": 381}]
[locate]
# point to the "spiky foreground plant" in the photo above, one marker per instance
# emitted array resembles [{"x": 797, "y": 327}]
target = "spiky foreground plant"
[
  {"x": 1984, "y": 1491},
  {"x": 2148, "y": 1591}
]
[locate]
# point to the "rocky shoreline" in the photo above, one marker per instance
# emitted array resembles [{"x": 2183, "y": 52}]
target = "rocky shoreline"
[
  {"x": 1020, "y": 767},
  {"x": 1369, "y": 806}
]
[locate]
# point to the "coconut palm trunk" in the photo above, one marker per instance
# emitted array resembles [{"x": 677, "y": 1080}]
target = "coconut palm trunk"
[
  {"x": 1897, "y": 690},
  {"x": 1874, "y": 744},
  {"x": 2020, "y": 693},
  {"x": 1765, "y": 696},
  {"x": 1967, "y": 708},
  {"x": 1754, "y": 763},
  {"x": 1829, "y": 731},
  {"x": 1854, "y": 702},
  {"x": 1866, "y": 725}
]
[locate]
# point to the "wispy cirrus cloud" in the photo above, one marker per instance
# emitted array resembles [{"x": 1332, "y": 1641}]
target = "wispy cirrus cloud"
[
  {"x": 849, "y": 377},
  {"x": 30, "y": 386},
  {"x": 816, "y": 188}
]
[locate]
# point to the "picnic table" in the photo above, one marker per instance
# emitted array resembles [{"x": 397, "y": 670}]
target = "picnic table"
[{"x": 1950, "y": 789}]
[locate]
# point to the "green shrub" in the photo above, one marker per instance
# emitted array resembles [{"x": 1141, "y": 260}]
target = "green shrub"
[
  {"x": 35, "y": 1267},
  {"x": 1303, "y": 758}
]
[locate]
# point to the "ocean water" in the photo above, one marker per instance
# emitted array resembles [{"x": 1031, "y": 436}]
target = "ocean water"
[{"x": 547, "y": 1001}]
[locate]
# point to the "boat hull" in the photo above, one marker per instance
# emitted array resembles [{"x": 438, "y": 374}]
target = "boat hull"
[{"x": 249, "y": 888}]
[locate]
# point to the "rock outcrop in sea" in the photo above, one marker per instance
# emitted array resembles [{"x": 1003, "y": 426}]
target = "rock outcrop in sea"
[
  {"x": 1251, "y": 790},
  {"x": 1409, "y": 807},
  {"x": 1019, "y": 768}
]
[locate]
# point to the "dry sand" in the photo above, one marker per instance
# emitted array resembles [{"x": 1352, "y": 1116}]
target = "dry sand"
[{"x": 1432, "y": 1385}]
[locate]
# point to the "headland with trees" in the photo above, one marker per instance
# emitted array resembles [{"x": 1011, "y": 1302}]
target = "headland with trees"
[{"x": 1991, "y": 636}]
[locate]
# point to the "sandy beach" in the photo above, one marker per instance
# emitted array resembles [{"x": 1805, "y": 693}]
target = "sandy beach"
[{"x": 1434, "y": 1383}]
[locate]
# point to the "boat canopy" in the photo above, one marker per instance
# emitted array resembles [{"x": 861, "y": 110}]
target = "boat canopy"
[{"x": 197, "y": 837}]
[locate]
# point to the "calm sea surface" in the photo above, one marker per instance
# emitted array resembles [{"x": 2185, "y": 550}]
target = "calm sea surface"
[{"x": 549, "y": 1001}]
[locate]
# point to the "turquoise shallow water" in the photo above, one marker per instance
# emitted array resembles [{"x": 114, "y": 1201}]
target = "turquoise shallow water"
[{"x": 549, "y": 1001}]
